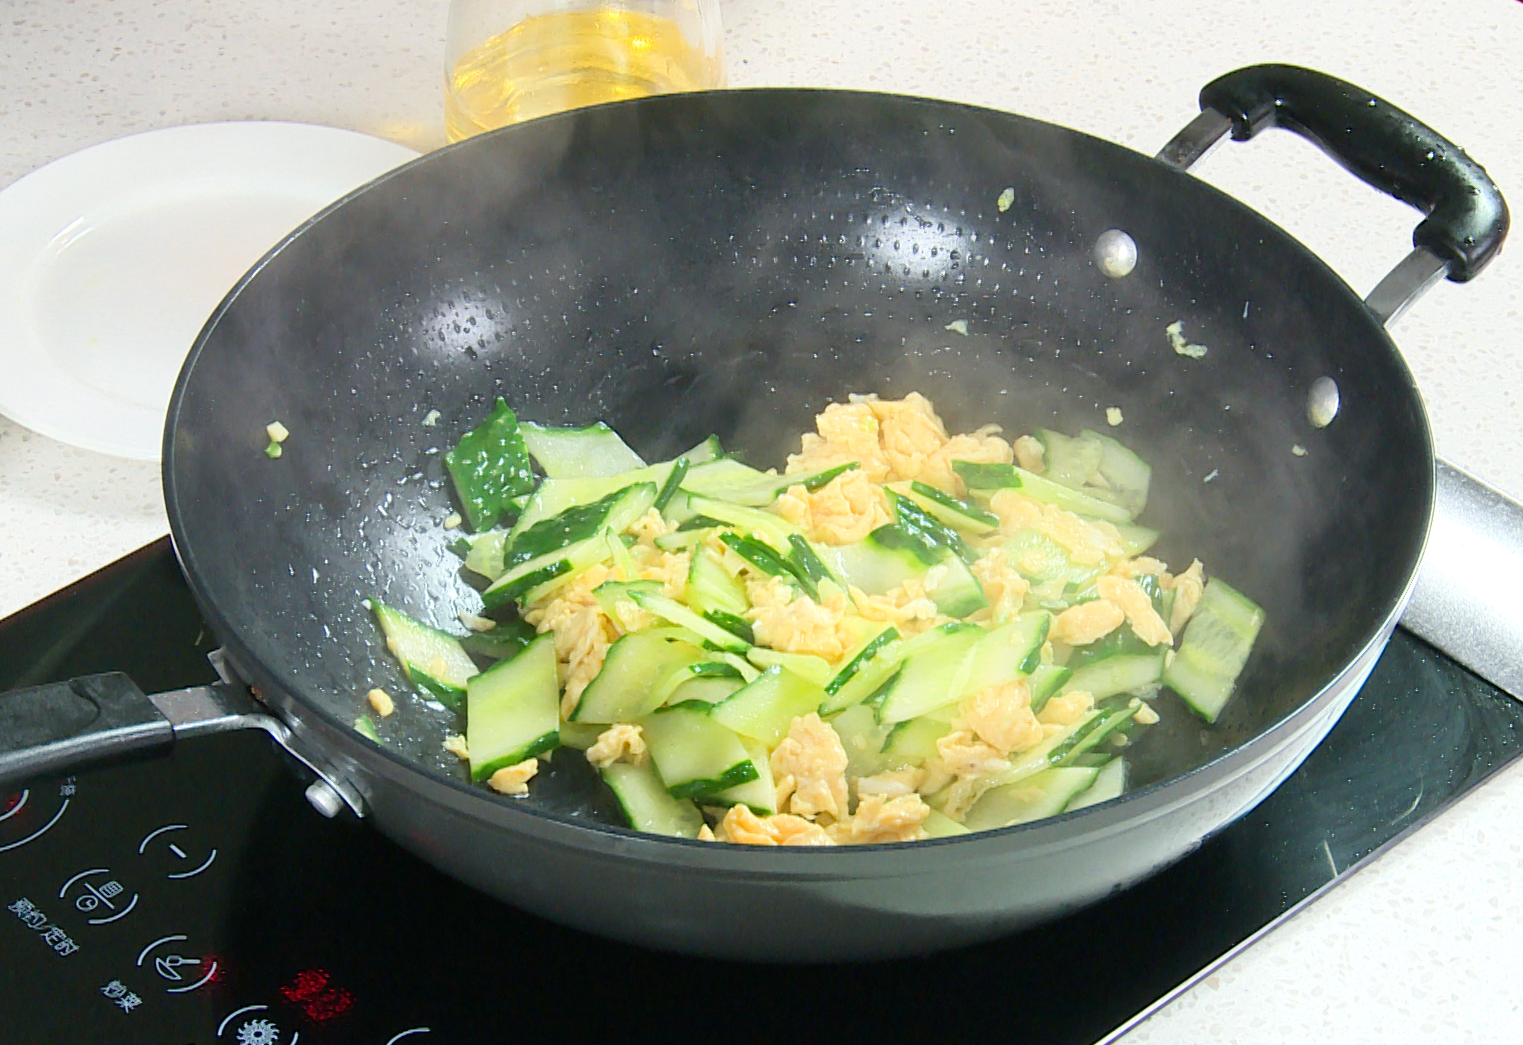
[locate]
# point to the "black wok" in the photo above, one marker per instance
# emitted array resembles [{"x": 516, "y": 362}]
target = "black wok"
[{"x": 730, "y": 263}]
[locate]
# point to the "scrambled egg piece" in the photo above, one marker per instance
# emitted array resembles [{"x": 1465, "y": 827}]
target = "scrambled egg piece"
[
  {"x": 514, "y": 780},
  {"x": 618, "y": 743},
  {"x": 583, "y": 632},
  {"x": 1066, "y": 708},
  {"x": 981, "y": 447},
  {"x": 844, "y": 510},
  {"x": 909, "y": 430},
  {"x": 1087, "y": 622},
  {"x": 1187, "y": 589},
  {"x": 846, "y": 432},
  {"x": 1003, "y": 586},
  {"x": 1087, "y": 541},
  {"x": 809, "y": 769},
  {"x": 1001, "y": 717},
  {"x": 791, "y": 621},
  {"x": 1144, "y": 619},
  {"x": 908, "y": 606},
  {"x": 706, "y": 834},
  {"x": 880, "y": 819},
  {"x": 744, "y": 827},
  {"x": 650, "y": 526},
  {"x": 891, "y": 783},
  {"x": 1030, "y": 454},
  {"x": 381, "y": 701},
  {"x": 668, "y": 568},
  {"x": 1141, "y": 566},
  {"x": 455, "y": 745},
  {"x": 969, "y": 765}
]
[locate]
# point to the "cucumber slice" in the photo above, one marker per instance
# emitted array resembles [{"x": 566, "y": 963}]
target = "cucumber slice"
[
  {"x": 554, "y": 496},
  {"x": 704, "y": 689},
  {"x": 1074, "y": 462},
  {"x": 868, "y": 680},
  {"x": 513, "y": 709},
  {"x": 1008, "y": 652},
  {"x": 760, "y": 794},
  {"x": 1084, "y": 740},
  {"x": 695, "y": 755},
  {"x": 486, "y": 554},
  {"x": 710, "y": 586},
  {"x": 1119, "y": 674},
  {"x": 1041, "y": 795},
  {"x": 928, "y": 532},
  {"x": 933, "y": 675},
  {"x": 579, "y": 453},
  {"x": 1127, "y": 475},
  {"x": 729, "y": 480},
  {"x": 1003, "y": 476},
  {"x": 815, "y": 670},
  {"x": 432, "y": 660},
  {"x": 673, "y": 481},
  {"x": 944, "y": 508},
  {"x": 764, "y": 709},
  {"x": 857, "y": 658},
  {"x": 862, "y": 738},
  {"x": 1110, "y": 782},
  {"x": 489, "y": 467},
  {"x": 1216, "y": 645},
  {"x": 773, "y": 529},
  {"x": 911, "y": 743},
  {"x": 1135, "y": 539},
  {"x": 581, "y": 735},
  {"x": 629, "y": 684},
  {"x": 703, "y": 669},
  {"x": 888, "y": 557},
  {"x": 528, "y": 581},
  {"x": 939, "y": 825},
  {"x": 1041, "y": 559},
  {"x": 678, "y": 614},
  {"x": 1046, "y": 679},
  {"x": 614, "y": 512},
  {"x": 706, "y": 451},
  {"x": 1042, "y": 756},
  {"x": 503, "y": 641},
  {"x": 648, "y": 805}
]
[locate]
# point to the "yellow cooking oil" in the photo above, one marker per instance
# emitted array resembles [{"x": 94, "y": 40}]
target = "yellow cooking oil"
[{"x": 553, "y": 62}]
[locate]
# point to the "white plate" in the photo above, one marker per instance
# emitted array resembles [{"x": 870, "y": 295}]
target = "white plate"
[{"x": 111, "y": 260}]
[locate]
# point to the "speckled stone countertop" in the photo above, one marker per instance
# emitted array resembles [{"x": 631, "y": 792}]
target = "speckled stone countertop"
[{"x": 1422, "y": 945}]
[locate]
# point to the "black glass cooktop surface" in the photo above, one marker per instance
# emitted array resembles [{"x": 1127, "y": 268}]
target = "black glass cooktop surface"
[{"x": 197, "y": 897}]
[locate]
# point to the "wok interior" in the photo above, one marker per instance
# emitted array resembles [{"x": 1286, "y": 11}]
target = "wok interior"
[{"x": 731, "y": 263}]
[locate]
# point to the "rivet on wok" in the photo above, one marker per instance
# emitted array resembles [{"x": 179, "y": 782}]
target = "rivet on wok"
[
  {"x": 1322, "y": 402},
  {"x": 1115, "y": 253}
]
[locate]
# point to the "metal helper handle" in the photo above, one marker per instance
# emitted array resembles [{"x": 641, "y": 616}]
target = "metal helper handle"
[
  {"x": 1388, "y": 149},
  {"x": 65, "y": 725}
]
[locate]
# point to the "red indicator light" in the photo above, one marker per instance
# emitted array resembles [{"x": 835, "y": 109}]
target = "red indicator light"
[
  {"x": 312, "y": 993},
  {"x": 9, "y": 803}
]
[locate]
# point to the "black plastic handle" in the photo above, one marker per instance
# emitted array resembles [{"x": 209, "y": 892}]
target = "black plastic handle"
[
  {"x": 1387, "y": 148},
  {"x": 55, "y": 727}
]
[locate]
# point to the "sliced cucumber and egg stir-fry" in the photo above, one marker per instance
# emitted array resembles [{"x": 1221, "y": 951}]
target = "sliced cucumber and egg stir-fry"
[{"x": 905, "y": 635}]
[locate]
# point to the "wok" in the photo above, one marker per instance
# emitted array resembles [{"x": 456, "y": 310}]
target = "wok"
[{"x": 730, "y": 263}]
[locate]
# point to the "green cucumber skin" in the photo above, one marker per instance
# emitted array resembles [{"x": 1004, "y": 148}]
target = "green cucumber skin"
[
  {"x": 856, "y": 663},
  {"x": 634, "y": 660},
  {"x": 519, "y": 697},
  {"x": 646, "y": 803},
  {"x": 593, "y": 452},
  {"x": 489, "y": 466}
]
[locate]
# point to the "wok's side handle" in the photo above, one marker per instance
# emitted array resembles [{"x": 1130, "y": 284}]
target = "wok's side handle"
[
  {"x": 72, "y": 724},
  {"x": 1465, "y": 598},
  {"x": 1390, "y": 150},
  {"x": 50, "y": 728}
]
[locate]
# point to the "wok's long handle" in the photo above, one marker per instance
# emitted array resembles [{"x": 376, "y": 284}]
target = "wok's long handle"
[
  {"x": 71, "y": 724},
  {"x": 1466, "y": 217},
  {"x": 1465, "y": 600}
]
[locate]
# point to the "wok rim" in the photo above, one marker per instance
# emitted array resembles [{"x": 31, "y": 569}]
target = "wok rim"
[{"x": 1375, "y": 639}]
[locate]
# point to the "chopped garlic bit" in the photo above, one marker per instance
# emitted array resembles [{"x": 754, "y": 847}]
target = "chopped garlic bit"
[
  {"x": 455, "y": 745},
  {"x": 1005, "y": 199},
  {"x": 514, "y": 780},
  {"x": 430, "y": 419},
  {"x": 1298, "y": 450},
  {"x": 277, "y": 432},
  {"x": 958, "y": 326},
  {"x": 1145, "y": 715},
  {"x": 381, "y": 701},
  {"x": 452, "y": 520},
  {"x": 1113, "y": 416},
  {"x": 1176, "y": 332}
]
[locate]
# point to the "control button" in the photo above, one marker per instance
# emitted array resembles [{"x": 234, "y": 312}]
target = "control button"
[
  {"x": 184, "y": 864},
  {"x": 27, "y": 815},
  {"x": 246, "y": 1027},
  {"x": 181, "y": 973},
  {"x": 94, "y": 895}
]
